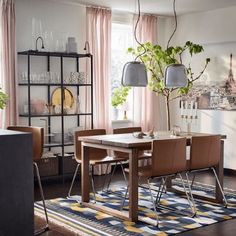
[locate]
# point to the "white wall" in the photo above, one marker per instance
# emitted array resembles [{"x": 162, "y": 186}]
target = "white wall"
[
  {"x": 207, "y": 27},
  {"x": 216, "y": 32},
  {"x": 55, "y": 16}
]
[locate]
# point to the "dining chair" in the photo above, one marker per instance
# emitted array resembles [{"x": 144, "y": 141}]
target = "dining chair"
[
  {"x": 205, "y": 155},
  {"x": 38, "y": 140},
  {"x": 168, "y": 160},
  {"x": 142, "y": 155},
  {"x": 97, "y": 157}
]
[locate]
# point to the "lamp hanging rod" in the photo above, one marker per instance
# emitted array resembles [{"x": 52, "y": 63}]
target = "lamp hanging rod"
[{"x": 176, "y": 24}]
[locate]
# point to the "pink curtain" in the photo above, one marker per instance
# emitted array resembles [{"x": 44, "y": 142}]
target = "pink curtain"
[
  {"x": 99, "y": 38},
  {"x": 8, "y": 62},
  {"x": 144, "y": 113}
]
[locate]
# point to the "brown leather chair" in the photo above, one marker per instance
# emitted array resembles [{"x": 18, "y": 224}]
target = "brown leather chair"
[
  {"x": 38, "y": 140},
  {"x": 97, "y": 156},
  {"x": 205, "y": 154},
  {"x": 168, "y": 159}
]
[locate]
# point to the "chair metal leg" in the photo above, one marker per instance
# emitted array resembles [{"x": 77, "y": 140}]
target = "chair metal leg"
[
  {"x": 92, "y": 181},
  {"x": 73, "y": 180},
  {"x": 190, "y": 192},
  {"x": 113, "y": 171},
  {"x": 46, "y": 227},
  {"x": 123, "y": 202},
  {"x": 189, "y": 201},
  {"x": 160, "y": 191},
  {"x": 103, "y": 186},
  {"x": 123, "y": 171},
  {"x": 153, "y": 202},
  {"x": 218, "y": 182},
  {"x": 194, "y": 175},
  {"x": 164, "y": 181}
]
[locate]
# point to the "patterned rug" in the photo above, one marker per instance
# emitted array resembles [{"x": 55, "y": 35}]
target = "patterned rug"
[{"x": 86, "y": 221}]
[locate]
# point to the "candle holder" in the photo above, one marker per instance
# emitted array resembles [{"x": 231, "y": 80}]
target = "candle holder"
[{"x": 189, "y": 114}]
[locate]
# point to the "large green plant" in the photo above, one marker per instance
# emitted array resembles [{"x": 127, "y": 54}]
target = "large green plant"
[
  {"x": 156, "y": 59},
  {"x": 3, "y": 99}
]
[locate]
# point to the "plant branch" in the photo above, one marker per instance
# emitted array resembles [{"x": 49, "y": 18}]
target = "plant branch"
[{"x": 201, "y": 73}]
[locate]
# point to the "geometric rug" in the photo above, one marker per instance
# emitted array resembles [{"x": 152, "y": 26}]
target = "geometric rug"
[{"x": 82, "y": 220}]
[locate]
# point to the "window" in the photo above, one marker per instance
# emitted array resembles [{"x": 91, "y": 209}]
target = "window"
[{"x": 121, "y": 40}]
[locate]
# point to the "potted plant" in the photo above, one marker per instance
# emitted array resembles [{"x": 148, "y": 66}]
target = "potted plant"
[
  {"x": 119, "y": 97},
  {"x": 3, "y": 99},
  {"x": 156, "y": 59}
]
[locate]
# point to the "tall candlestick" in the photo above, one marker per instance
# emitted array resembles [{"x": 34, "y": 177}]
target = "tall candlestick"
[
  {"x": 182, "y": 108},
  {"x": 186, "y": 109},
  {"x": 195, "y": 110},
  {"x": 191, "y": 109}
]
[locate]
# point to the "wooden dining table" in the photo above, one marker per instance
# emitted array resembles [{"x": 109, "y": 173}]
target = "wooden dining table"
[{"x": 132, "y": 145}]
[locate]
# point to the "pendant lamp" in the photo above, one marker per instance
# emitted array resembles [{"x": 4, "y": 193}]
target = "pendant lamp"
[
  {"x": 175, "y": 74},
  {"x": 134, "y": 72}
]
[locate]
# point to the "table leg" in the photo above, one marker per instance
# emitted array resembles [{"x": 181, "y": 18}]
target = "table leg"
[
  {"x": 220, "y": 172},
  {"x": 133, "y": 185},
  {"x": 85, "y": 186}
]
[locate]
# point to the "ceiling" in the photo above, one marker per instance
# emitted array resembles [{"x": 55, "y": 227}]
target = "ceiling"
[{"x": 161, "y": 7}]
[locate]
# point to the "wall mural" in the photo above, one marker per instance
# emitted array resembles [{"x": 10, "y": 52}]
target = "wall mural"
[{"x": 217, "y": 88}]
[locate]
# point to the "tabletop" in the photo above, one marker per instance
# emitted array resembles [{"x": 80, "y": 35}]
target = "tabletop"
[{"x": 129, "y": 140}]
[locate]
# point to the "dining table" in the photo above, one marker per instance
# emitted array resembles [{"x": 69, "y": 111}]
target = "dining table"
[{"x": 129, "y": 143}]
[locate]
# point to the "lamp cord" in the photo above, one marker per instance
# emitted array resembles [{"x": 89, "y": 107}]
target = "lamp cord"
[
  {"x": 176, "y": 24},
  {"x": 135, "y": 33}
]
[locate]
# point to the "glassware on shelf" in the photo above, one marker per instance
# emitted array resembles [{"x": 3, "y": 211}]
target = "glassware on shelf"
[
  {"x": 23, "y": 77},
  {"x": 60, "y": 41},
  {"x": 81, "y": 79},
  {"x": 36, "y": 31},
  {"x": 48, "y": 41},
  {"x": 38, "y": 106}
]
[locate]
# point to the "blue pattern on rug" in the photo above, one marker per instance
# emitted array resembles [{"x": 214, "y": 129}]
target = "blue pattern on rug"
[{"x": 91, "y": 222}]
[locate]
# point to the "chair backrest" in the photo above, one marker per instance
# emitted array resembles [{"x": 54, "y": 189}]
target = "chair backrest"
[
  {"x": 205, "y": 151},
  {"x": 95, "y": 153},
  {"x": 168, "y": 156},
  {"x": 125, "y": 130},
  {"x": 37, "y": 136}
]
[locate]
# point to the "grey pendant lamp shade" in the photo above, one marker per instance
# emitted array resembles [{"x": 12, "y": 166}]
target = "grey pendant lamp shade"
[
  {"x": 134, "y": 74},
  {"x": 175, "y": 76}
]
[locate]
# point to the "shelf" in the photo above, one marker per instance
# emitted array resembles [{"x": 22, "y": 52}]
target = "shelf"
[
  {"x": 52, "y": 84},
  {"x": 55, "y": 115},
  {"x": 54, "y": 54},
  {"x": 63, "y": 165},
  {"x": 50, "y": 145}
]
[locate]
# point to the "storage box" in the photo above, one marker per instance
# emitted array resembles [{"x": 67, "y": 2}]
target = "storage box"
[{"x": 48, "y": 166}]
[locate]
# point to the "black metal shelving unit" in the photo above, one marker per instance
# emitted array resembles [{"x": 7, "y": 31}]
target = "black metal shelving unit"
[{"x": 61, "y": 55}]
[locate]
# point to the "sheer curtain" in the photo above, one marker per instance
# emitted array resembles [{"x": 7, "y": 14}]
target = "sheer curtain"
[
  {"x": 8, "y": 62},
  {"x": 99, "y": 38},
  {"x": 148, "y": 108}
]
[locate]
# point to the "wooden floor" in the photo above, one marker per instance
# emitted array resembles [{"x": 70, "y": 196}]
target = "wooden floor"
[{"x": 54, "y": 189}]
